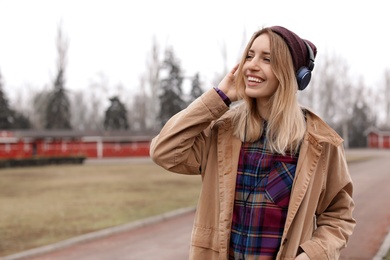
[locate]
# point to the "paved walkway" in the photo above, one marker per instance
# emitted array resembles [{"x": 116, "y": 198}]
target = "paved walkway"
[
  {"x": 170, "y": 237},
  {"x": 372, "y": 198}
]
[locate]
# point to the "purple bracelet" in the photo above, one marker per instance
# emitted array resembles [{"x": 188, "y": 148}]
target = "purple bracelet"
[{"x": 223, "y": 96}]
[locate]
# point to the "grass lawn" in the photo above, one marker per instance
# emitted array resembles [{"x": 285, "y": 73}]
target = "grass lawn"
[{"x": 43, "y": 205}]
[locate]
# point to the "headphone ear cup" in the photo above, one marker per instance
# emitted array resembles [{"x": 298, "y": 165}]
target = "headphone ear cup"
[
  {"x": 304, "y": 73},
  {"x": 303, "y": 77}
]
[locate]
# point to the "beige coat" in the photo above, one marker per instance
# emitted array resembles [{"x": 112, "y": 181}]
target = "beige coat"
[{"x": 319, "y": 217}]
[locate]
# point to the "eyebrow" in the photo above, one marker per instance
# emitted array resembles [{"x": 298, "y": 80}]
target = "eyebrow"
[{"x": 263, "y": 52}]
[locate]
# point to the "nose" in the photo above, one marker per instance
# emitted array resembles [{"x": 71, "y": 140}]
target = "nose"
[{"x": 254, "y": 64}]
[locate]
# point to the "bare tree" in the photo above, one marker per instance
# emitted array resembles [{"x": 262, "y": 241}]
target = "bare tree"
[
  {"x": 97, "y": 97},
  {"x": 330, "y": 92},
  {"x": 22, "y": 101},
  {"x": 80, "y": 111},
  {"x": 219, "y": 75},
  {"x": 139, "y": 109},
  {"x": 386, "y": 96},
  {"x": 153, "y": 68}
]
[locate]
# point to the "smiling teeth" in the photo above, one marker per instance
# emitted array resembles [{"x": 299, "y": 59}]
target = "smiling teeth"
[{"x": 255, "y": 79}]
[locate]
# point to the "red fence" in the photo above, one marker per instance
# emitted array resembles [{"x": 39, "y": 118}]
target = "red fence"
[{"x": 17, "y": 149}]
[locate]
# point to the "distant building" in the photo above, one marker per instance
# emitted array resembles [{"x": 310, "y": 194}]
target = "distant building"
[{"x": 377, "y": 138}]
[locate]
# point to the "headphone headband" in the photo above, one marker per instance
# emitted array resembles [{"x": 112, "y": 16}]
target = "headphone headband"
[{"x": 311, "y": 56}]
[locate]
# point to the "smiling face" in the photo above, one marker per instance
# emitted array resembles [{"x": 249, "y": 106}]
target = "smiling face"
[{"x": 260, "y": 81}]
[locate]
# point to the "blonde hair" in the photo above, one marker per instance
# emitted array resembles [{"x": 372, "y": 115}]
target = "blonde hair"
[{"x": 286, "y": 123}]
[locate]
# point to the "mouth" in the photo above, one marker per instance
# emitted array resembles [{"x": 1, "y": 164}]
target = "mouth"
[{"x": 255, "y": 79}]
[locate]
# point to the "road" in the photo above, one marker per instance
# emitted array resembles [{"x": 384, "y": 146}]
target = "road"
[{"x": 169, "y": 239}]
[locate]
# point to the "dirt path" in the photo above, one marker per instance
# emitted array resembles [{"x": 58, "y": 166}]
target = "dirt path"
[{"x": 170, "y": 239}]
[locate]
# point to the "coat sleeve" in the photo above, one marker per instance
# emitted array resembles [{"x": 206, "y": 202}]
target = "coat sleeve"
[
  {"x": 181, "y": 145},
  {"x": 334, "y": 212}
]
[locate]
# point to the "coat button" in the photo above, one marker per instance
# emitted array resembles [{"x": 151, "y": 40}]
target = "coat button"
[{"x": 284, "y": 241}]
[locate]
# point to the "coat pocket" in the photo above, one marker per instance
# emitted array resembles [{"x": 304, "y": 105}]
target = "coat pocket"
[{"x": 279, "y": 184}]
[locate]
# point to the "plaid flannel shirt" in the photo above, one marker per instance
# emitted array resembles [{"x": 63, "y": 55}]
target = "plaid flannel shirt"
[{"x": 264, "y": 182}]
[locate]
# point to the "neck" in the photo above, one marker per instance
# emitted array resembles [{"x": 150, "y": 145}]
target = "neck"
[{"x": 263, "y": 108}]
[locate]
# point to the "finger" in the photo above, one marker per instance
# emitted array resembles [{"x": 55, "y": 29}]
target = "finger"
[{"x": 234, "y": 70}]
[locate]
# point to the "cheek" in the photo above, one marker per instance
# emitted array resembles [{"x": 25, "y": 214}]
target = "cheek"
[
  {"x": 274, "y": 84},
  {"x": 244, "y": 69},
  {"x": 273, "y": 79},
  {"x": 274, "y": 88}
]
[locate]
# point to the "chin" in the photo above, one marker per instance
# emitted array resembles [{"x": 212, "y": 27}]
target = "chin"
[{"x": 252, "y": 93}]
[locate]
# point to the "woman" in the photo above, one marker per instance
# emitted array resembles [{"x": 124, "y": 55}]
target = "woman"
[{"x": 275, "y": 183}]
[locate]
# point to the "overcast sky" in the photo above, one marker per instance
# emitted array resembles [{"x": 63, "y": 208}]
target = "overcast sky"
[{"x": 114, "y": 37}]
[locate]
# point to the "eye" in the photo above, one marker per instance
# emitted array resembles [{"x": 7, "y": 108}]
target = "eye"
[
  {"x": 267, "y": 59},
  {"x": 249, "y": 56}
]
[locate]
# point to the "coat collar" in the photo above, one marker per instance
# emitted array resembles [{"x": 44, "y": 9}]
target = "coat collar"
[{"x": 319, "y": 131}]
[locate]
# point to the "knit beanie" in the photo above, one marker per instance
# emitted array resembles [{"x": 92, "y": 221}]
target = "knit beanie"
[{"x": 298, "y": 49}]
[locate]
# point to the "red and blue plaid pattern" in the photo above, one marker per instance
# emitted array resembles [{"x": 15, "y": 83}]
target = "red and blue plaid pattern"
[{"x": 263, "y": 188}]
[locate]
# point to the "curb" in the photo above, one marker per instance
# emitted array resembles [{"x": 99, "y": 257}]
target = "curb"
[
  {"x": 384, "y": 249},
  {"x": 98, "y": 234}
]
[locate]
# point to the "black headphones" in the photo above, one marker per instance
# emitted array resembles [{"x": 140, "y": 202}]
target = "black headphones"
[{"x": 304, "y": 73}]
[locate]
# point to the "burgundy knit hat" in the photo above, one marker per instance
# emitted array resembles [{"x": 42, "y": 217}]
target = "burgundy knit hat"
[{"x": 297, "y": 46}]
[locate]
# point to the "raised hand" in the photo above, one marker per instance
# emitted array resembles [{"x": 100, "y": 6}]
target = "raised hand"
[{"x": 228, "y": 84}]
